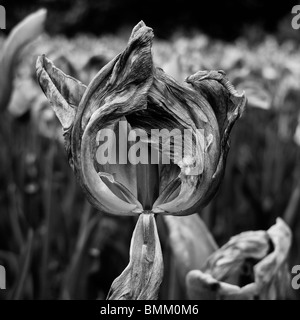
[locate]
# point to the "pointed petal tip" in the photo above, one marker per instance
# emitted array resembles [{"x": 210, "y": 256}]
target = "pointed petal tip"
[
  {"x": 41, "y": 63},
  {"x": 241, "y": 102},
  {"x": 141, "y": 31},
  {"x": 140, "y": 25}
]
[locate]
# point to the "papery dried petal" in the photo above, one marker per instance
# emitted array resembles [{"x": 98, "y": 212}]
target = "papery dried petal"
[
  {"x": 252, "y": 265},
  {"x": 130, "y": 90},
  {"x": 63, "y": 91},
  {"x": 142, "y": 277},
  {"x": 120, "y": 88},
  {"x": 187, "y": 110}
]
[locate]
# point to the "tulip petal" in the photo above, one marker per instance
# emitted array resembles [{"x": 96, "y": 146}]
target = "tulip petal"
[
  {"x": 142, "y": 277},
  {"x": 202, "y": 286},
  {"x": 63, "y": 91},
  {"x": 119, "y": 89},
  {"x": 123, "y": 173},
  {"x": 228, "y": 106},
  {"x": 225, "y": 275},
  {"x": 226, "y": 102},
  {"x": 227, "y": 263},
  {"x": 187, "y": 109},
  {"x": 271, "y": 274}
]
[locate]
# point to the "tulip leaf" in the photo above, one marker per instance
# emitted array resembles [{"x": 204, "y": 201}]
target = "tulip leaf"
[
  {"x": 24, "y": 33},
  {"x": 191, "y": 242}
]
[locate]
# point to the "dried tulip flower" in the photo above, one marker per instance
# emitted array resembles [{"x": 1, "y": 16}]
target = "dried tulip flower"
[
  {"x": 252, "y": 265},
  {"x": 131, "y": 97}
]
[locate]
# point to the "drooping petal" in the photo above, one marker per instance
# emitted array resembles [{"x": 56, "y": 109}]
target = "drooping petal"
[
  {"x": 142, "y": 277},
  {"x": 271, "y": 273},
  {"x": 202, "y": 286},
  {"x": 252, "y": 265},
  {"x": 64, "y": 92}
]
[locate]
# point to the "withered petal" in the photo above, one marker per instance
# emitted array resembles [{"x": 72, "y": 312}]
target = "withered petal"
[
  {"x": 187, "y": 110},
  {"x": 119, "y": 89},
  {"x": 266, "y": 253},
  {"x": 63, "y": 91},
  {"x": 142, "y": 277},
  {"x": 130, "y": 88}
]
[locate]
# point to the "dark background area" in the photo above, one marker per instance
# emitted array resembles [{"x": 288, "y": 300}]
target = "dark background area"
[{"x": 222, "y": 19}]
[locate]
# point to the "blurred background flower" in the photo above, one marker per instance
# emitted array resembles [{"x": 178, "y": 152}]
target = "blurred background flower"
[{"x": 251, "y": 265}]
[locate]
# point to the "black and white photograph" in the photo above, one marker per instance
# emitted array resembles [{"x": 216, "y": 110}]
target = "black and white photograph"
[{"x": 149, "y": 150}]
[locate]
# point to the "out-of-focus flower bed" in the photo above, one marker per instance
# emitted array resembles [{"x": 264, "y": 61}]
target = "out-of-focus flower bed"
[{"x": 54, "y": 245}]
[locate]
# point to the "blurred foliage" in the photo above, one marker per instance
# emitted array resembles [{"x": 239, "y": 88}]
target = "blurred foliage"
[
  {"x": 222, "y": 19},
  {"x": 55, "y": 246}
]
